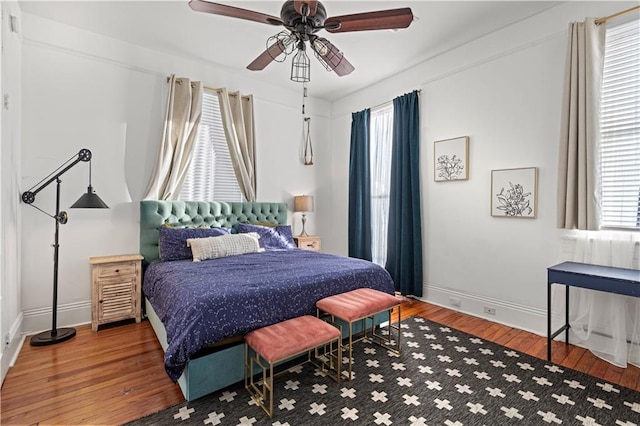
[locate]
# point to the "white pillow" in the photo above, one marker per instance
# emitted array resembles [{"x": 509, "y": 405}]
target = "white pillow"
[{"x": 223, "y": 246}]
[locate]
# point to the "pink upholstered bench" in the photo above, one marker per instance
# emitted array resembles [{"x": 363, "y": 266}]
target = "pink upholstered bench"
[
  {"x": 285, "y": 340},
  {"x": 359, "y": 305}
]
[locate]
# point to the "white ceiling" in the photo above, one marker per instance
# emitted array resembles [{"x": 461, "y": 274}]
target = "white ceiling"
[{"x": 172, "y": 27}]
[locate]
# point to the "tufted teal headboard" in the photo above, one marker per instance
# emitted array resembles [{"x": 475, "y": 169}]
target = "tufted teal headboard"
[{"x": 154, "y": 214}]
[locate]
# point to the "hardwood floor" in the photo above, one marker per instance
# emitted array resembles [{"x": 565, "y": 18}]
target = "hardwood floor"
[{"x": 117, "y": 374}]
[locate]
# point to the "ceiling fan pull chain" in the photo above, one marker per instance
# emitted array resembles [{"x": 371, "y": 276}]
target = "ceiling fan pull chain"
[
  {"x": 304, "y": 96},
  {"x": 308, "y": 148},
  {"x": 306, "y": 134}
]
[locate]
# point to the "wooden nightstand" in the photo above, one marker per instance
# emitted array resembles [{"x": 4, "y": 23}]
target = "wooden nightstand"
[
  {"x": 308, "y": 243},
  {"x": 116, "y": 288}
]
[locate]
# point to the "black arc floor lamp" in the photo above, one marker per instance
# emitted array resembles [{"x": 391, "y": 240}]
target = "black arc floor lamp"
[{"x": 88, "y": 200}]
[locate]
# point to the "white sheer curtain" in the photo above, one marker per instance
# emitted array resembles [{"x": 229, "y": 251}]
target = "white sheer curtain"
[
  {"x": 606, "y": 324},
  {"x": 381, "y": 136},
  {"x": 182, "y": 116},
  {"x": 237, "y": 120},
  {"x": 578, "y": 194}
]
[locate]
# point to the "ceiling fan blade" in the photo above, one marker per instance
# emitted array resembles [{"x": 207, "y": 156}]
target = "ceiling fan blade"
[
  {"x": 344, "y": 67},
  {"x": 312, "y": 4},
  {"x": 380, "y": 20},
  {"x": 331, "y": 57},
  {"x": 233, "y": 12},
  {"x": 267, "y": 56}
]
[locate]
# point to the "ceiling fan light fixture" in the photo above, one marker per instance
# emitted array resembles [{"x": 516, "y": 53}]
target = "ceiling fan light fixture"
[
  {"x": 319, "y": 47},
  {"x": 301, "y": 67},
  {"x": 327, "y": 54},
  {"x": 283, "y": 42}
]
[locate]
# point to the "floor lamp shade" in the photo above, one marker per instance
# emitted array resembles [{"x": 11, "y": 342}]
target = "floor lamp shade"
[
  {"x": 88, "y": 200},
  {"x": 303, "y": 204}
]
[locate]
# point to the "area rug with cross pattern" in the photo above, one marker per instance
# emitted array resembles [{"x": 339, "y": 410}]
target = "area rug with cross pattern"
[{"x": 442, "y": 377}]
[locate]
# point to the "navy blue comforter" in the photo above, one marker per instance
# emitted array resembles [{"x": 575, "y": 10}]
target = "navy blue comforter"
[{"x": 201, "y": 303}]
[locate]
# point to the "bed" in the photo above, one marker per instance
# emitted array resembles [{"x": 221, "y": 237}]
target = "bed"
[{"x": 200, "y": 310}]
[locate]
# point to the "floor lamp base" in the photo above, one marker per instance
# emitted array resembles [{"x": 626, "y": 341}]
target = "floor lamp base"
[{"x": 48, "y": 338}]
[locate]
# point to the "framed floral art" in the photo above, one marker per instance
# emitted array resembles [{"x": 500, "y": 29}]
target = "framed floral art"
[
  {"x": 451, "y": 159},
  {"x": 514, "y": 192}
]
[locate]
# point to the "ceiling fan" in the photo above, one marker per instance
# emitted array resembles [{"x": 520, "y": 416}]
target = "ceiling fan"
[{"x": 302, "y": 19}]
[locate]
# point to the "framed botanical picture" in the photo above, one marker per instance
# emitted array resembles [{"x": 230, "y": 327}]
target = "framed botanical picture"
[
  {"x": 514, "y": 192},
  {"x": 451, "y": 159}
]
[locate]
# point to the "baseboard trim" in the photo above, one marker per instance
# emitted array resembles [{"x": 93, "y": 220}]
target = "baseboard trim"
[
  {"x": 34, "y": 321},
  {"x": 511, "y": 314},
  {"x": 508, "y": 313},
  {"x": 11, "y": 349},
  {"x": 69, "y": 315}
]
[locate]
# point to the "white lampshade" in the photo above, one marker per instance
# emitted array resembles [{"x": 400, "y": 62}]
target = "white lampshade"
[{"x": 303, "y": 203}]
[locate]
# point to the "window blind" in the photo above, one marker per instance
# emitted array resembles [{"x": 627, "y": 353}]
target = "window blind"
[
  {"x": 210, "y": 175},
  {"x": 620, "y": 127}
]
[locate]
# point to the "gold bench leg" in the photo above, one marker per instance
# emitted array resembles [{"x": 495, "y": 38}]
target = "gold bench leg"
[
  {"x": 260, "y": 394},
  {"x": 263, "y": 394},
  {"x": 368, "y": 333},
  {"x": 329, "y": 361},
  {"x": 385, "y": 341},
  {"x": 350, "y": 351}
]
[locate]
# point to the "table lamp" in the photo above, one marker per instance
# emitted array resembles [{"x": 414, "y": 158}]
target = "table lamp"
[{"x": 303, "y": 204}]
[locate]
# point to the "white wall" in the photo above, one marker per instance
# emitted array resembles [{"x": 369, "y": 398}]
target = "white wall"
[
  {"x": 81, "y": 90},
  {"x": 11, "y": 317},
  {"x": 504, "y": 91}
]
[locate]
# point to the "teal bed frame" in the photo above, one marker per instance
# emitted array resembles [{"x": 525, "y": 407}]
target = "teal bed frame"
[{"x": 223, "y": 365}]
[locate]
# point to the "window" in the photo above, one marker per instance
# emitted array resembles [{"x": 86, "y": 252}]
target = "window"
[
  {"x": 620, "y": 127},
  {"x": 210, "y": 175},
  {"x": 381, "y": 134}
]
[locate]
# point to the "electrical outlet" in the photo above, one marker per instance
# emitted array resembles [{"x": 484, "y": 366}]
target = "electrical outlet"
[
  {"x": 454, "y": 302},
  {"x": 490, "y": 311}
]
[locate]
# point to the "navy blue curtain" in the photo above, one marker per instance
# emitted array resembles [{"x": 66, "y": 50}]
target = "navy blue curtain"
[
  {"x": 360, "y": 187},
  {"x": 404, "y": 240}
]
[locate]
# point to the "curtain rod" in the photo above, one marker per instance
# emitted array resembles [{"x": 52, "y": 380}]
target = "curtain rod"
[
  {"x": 384, "y": 104},
  {"x": 615, "y": 15},
  {"x": 178, "y": 80},
  {"x": 213, "y": 89}
]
